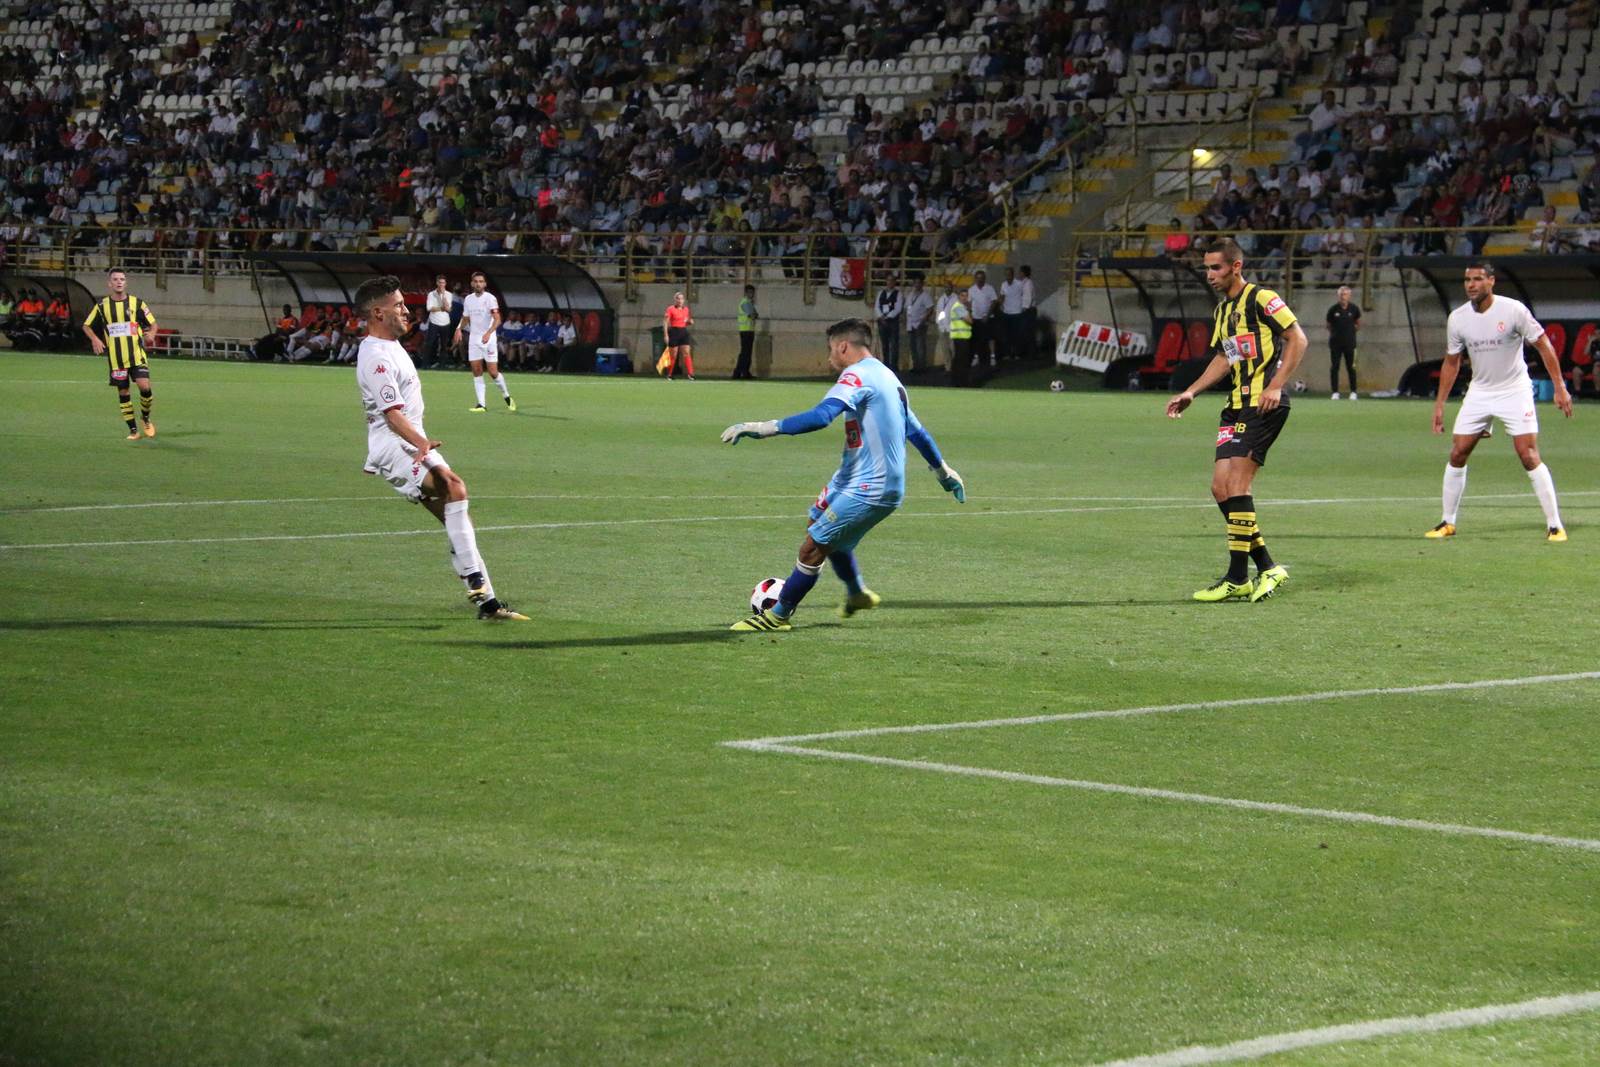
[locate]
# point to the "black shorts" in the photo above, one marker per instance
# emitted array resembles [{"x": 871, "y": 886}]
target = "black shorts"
[
  {"x": 678, "y": 335},
  {"x": 120, "y": 375},
  {"x": 1248, "y": 432}
]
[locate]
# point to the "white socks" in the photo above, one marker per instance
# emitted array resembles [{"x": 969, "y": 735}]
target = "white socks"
[
  {"x": 1455, "y": 483},
  {"x": 500, "y": 380},
  {"x": 1544, "y": 487},
  {"x": 477, "y": 387},
  {"x": 464, "y": 543}
]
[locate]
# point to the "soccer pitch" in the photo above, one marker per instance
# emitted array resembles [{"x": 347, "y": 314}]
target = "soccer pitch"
[{"x": 269, "y": 793}]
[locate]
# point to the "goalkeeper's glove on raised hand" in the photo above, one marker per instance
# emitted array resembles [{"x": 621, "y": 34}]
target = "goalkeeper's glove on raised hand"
[
  {"x": 951, "y": 482},
  {"x": 731, "y": 435}
]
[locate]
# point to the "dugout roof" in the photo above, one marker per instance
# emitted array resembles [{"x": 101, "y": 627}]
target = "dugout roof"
[
  {"x": 1553, "y": 287},
  {"x": 524, "y": 283}
]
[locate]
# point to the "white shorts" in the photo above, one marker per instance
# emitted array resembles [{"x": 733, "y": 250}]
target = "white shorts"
[
  {"x": 488, "y": 353},
  {"x": 1514, "y": 410},
  {"x": 397, "y": 466}
]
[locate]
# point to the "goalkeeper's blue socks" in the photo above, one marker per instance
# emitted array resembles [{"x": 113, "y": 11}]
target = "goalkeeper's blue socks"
[
  {"x": 844, "y": 565},
  {"x": 795, "y": 588}
]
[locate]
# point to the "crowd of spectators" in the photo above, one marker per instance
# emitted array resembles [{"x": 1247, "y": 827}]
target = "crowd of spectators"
[
  {"x": 1357, "y": 168},
  {"x": 505, "y": 140}
]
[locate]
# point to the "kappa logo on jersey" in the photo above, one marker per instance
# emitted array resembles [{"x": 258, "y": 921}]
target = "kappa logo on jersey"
[
  {"x": 379, "y": 369},
  {"x": 851, "y": 379},
  {"x": 1274, "y": 305}
]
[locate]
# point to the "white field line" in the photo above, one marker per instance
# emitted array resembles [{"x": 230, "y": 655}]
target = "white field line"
[
  {"x": 1162, "y": 709},
  {"x": 1454, "y": 829},
  {"x": 788, "y": 746},
  {"x": 1255, "y": 1048},
  {"x": 672, "y": 520}
]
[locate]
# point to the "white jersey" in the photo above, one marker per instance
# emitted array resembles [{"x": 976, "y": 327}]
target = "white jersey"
[
  {"x": 477, "y": 313},
  {"x": 1493, "y": 340},
  {"x": 387, "y": 379}
]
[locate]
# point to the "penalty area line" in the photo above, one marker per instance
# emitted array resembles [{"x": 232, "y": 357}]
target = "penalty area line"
[
  {"x": 1582, "y": 844},
  {"x": 1399, "y": 1026},
  {"x": 800, "y": 745}
]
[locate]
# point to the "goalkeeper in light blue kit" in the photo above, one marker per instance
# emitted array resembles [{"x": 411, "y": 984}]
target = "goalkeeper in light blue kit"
[{"x": 870, "y": 481}]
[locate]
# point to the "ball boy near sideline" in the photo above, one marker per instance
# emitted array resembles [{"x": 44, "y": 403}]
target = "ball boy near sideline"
[
  {"x": 1256, "y": 337},
  {"x": 1492, "y": 330},
  {"x": 400, "y": 451},
  {"x": 116, "y": 328},
  {"x": 870, "y": 481}
]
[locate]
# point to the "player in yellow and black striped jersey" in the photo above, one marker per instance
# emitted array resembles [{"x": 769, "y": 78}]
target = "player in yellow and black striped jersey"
[
  {"x": 1256, "y": 338},
  {"x": 116, "y": 327}
]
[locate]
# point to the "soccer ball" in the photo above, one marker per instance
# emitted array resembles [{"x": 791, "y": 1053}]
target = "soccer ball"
[
  {"x": 1057, "y": 386},
  {"x": 1299, "y": 385},
  {"x": 766, "y": 594}
]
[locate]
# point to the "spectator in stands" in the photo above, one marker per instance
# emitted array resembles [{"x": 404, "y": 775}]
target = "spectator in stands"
[
  {"x": 1546, "y": 237},
  {"x": 1471, "y": 66},
  {"x": 1325, "y": 116},
  {"x": 1199, "y": 75}
]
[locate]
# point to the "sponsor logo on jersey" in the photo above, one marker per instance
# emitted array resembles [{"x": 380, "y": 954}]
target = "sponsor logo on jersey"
[
  {"x": 1274, "y": 305},
  {"x": 1224, "y": 435},
  {"x": 851, "y": 379},
  {"x": 387, "y": 395},
  {"x": 1500, "y": 327}
]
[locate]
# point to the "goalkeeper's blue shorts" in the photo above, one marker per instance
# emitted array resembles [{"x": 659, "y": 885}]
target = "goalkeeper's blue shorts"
[{"x": 840, "y": 522}]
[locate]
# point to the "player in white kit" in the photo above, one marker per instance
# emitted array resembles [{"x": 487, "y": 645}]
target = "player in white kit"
[
  {"x": 480, "y": 318},
  {"x": 1491, "y": 330},
  {"x": 399, "y": 449}
]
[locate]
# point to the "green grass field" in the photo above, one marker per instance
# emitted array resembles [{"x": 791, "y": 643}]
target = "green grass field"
[{"x": 269, "y": 794}]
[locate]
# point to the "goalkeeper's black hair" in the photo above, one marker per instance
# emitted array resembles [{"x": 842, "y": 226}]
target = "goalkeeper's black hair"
[
  {"x": 1483, "y": 265},
  {"x": 856, "y": 331},
  {"x": 374, "y": 289}
]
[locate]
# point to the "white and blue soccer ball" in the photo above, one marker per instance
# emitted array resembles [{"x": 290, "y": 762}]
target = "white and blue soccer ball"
[
  {"x": 765, "y": 595},
  {"x": 1299, "y": 385}
]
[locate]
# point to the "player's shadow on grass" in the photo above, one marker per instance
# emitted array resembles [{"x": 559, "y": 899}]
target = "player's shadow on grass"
[
  {"x": 212, "y": 624},
  {"x": 523, "y": 413},
  {"x": 662, "y": 638}
]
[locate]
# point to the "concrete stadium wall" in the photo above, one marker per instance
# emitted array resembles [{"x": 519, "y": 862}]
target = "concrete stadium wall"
[{"x": 790, "y": 343}]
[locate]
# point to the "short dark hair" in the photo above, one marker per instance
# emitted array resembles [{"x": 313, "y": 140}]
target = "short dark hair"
[
  {"x": 855, "y": 331},
  {"x": 116, "y": 270},
  {"x": 440, "y": 278},
  {"x": 480, "y": 274},
  {"x": 373, "y": 290},
  {"x": 1228, "y": 248},
  {"x": 1483, "y": 265}
]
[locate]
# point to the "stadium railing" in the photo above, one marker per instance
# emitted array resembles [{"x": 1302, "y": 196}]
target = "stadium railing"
[
  {"x": 1285, "y": 259},
  {"x": 632, "y": 258}
]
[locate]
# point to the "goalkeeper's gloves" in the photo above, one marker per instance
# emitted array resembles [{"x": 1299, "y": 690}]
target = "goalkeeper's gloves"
[
  {"x": 731, "y": 435},
  {"x": 951, "y": 482}
]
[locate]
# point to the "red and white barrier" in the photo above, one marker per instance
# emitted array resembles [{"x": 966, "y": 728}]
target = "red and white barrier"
[{"x": 1090, "y": 346}]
